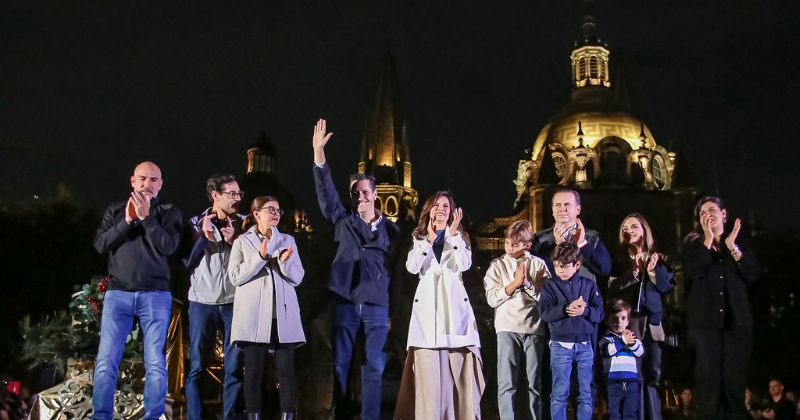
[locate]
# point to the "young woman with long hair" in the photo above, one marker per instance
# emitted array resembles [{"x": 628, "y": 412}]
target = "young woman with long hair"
[
  {"x": 640, "y": 277},
  {"x": 443, "y": 378},
  {"x": 721, "y": 267},
  {"x": 265, "y": 268}
]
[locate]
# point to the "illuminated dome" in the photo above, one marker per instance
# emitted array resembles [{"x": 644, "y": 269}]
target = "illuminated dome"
[{"x": 600, "y": 117}]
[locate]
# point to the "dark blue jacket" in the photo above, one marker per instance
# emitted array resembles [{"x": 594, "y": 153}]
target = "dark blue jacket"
[
  {"x": 139, "y": 250},
  {"x": 557, "y": 294},
  {"x": 595, "y": 259},
  {"x": 629, "y": 288},
  {"x": 360, "y": 270}
]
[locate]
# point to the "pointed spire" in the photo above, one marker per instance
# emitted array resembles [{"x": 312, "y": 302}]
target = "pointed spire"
[
  {"x": 642, "y": 137},
  {"x": 384, "y": 143},
  {"x": 580, "y": 136}
]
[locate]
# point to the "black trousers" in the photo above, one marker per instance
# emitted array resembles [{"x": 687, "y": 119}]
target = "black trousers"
[
  {"x": 624, "y": 400},
  {"x": 254, "y": 356},
  {"x": 651, "y": 372},
  {"x": 720, "y": 371}
]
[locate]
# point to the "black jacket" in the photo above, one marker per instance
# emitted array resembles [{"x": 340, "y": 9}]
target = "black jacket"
[
  {"x": 640, "y": 292},
  {"x": 595, "y": 259},
  {"x": 364, "y": 260},
  {"x": 139, "y": 250},
  {"x": 718, "y": 295}
]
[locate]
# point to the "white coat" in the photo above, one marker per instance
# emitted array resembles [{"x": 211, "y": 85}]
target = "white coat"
[
  {"x": 260, "y": 283},
  {"x": 442, "y": 316}
]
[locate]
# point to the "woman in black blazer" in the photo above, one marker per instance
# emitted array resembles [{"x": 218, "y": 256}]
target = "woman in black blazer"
[{"x": 721, "y": 267}]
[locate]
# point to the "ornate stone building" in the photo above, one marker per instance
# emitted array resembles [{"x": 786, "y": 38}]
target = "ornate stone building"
[
  {"x": 596, "y": 145},
  {"x": 384, "y": 150}
]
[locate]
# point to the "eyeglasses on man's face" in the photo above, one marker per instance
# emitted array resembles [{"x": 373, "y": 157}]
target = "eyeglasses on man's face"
[
  {"x": 233, "y": 194},
  {"x": 272, "y": 210}
]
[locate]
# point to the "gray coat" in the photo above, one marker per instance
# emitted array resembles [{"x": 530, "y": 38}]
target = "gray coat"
[{"x": 260, "y": 283}]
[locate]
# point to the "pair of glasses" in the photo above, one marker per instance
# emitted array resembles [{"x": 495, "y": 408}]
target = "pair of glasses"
[
  {"x": 272, "y": 210},
  {"x": 233, "y": 194}
]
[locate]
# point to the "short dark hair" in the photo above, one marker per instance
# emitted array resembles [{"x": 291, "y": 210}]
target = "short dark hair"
[
  {"x": 360, "y": 177},
  {"x": 566, "y": 253},
  {"x": 216, "y": 182},
  {"x": 566, "y": 190},
  {"x": 616, "y": 306}
]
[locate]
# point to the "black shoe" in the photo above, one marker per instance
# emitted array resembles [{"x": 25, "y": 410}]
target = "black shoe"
[
  {"x": 253, "y": 416},
  {"x": 287, "y": 416}
]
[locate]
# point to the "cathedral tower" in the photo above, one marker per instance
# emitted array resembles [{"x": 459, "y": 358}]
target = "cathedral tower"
[{"x": 384, "y": 148}]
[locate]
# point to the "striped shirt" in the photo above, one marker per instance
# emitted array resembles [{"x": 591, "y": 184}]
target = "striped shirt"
[{"x": 623, "y": 357}]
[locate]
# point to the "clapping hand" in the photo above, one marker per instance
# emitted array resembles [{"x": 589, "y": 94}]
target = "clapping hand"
[
  {"x": 431, "y": 230},
  {"x": 141, "y": 203},
  {"x": 708, "y": 234},
  {"x": 577, "y": 307},
  {"x": 560, "y": 233},
  {"x": 651, "y": 266},
  {"x": 580, "y": 233},
  {"x": 628, "y": 338},
  {"x": 457, "y": 215},
  {"x": 130, "y": 211},
  {"x": 228, "y": 231},
  {"x": 208, "y": 226},
  {"x": 262, "y": 250},
  {"x": 730, "y": 241},
  {"x": 286, "y": 253}
]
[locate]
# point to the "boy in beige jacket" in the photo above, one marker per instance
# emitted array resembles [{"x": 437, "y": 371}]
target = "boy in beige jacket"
[{"x": 513, "y": 283}]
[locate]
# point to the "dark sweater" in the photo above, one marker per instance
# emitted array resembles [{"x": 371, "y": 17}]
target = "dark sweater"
[
  {"x": 557, "y": 294},
  {"x": 139, "y": 250},
  {"x": 596, "y": 262}
]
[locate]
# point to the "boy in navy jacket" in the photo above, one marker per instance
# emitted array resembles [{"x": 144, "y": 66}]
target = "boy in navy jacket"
[
  {"x": 622, "y": 348},
  {"x": 572, "y": 307}
]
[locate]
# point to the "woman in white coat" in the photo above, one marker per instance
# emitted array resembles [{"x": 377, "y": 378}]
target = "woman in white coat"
[
  {"x": 443, "y": 377},
  {"x": 265, "y": 268}
]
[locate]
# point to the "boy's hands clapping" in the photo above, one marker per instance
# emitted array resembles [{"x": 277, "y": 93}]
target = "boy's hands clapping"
[
  {"x": 520, "y": 279},
  {"x": 577, "y": 307},
  {"x": 628, "y": 338}
]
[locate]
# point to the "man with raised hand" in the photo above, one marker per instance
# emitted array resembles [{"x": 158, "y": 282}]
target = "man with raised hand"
[
  {"x": 138, "y": 233},
  {"x": 359, "y": 277}
]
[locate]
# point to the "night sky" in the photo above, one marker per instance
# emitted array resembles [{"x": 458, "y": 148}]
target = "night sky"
[{"x": 90, "y": 88}]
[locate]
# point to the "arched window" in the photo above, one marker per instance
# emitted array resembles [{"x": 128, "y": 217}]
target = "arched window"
[
  {"x": 379, "y": 204},
  {"x": 658, "y": 172},
  {"x": 391, "y": 206},
  {"x": 593, "y": 67},
  {"x": 561, "y": 165},
  {"x": 582, "y": 68},
  {"x": 612, "y": 162}
]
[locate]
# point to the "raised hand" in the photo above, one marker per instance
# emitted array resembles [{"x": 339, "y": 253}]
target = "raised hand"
[
  {"x": 580, "y": 233},
  {"x": 560, "y": 233},
  {"x": 457, "y": 215},
  {"x": 228, "y": 231},
  {"x": 286, "y": 253},
  {"x": 730, "y": 241},
  {"x": 319, "y": 141},
  {"x": 431, "y": 230},
  {"x": 208, "y": 226},
  {"x": 141, "y": 203}
]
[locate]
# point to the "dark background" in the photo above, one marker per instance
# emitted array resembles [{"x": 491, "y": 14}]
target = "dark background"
[{"x": 91, "y": 88}]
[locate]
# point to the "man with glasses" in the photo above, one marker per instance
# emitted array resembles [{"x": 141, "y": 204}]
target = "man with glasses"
[
  {"x": 138, "y": 233},
  {"x": 211, "y": 295},
  {"x": 359, "y": 278}
]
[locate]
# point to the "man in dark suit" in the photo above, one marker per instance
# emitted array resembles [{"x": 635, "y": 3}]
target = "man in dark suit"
[{"x": 359, "y": 277}]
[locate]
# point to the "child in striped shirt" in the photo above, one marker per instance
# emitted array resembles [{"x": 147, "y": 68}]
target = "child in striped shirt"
[{"x": 622, "y": 348}]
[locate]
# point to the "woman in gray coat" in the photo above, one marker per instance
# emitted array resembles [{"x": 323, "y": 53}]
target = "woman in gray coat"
[{"x": 265, "y": 268}]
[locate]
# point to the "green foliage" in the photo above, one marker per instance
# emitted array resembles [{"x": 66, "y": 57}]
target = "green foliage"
[{"x": 75, "y": 334}]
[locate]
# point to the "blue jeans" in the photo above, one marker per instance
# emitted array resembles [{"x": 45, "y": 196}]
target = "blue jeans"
[
  {"x": 348, "y": 319},
  {"x": 512, "y": 349},
  {"x": 204, "y": 322},
  {"x": 561, "y": 360},
  {"x": 624, "y": 400},
  {"x": 153, "y": 310}
]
